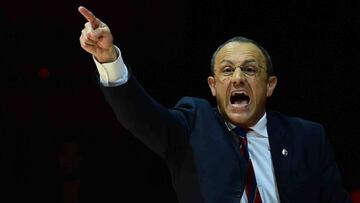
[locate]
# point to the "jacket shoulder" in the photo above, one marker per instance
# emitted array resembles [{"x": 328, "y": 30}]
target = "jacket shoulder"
[
  {"x": 191, "y": 108},
  {"x": 293, "y": 121}
]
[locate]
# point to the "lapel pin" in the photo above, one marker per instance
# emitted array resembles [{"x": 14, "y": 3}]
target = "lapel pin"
[{"x": 284, "y": 152}]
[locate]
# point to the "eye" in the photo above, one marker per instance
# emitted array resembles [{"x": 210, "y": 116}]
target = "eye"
[
  {"x": 250, "y": 69},
  {"x": 227, "y": 70}
]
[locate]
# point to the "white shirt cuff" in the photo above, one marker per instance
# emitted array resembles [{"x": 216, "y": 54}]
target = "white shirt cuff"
[{"x": 114, "y": 73}]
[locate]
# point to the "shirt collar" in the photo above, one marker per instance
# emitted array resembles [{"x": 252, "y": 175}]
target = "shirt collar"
[{"x": 259, "y": 128}]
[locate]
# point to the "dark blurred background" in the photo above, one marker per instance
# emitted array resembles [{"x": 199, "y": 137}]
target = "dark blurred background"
[{"x": 60, "y": 141}]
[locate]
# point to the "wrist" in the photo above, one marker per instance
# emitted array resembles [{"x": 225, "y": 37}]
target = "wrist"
[{"x": 108, "y": 57}]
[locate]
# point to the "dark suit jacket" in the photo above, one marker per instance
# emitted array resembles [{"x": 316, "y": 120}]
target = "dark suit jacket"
[{"x": 204, "y": 161}]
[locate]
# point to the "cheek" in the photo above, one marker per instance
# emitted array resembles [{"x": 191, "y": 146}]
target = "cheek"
[
  {"x": 221, "y": 91},
  {"x": 222, "y": 85},
  {"x": 259, "y": 89},
  {"x": 223, "y": 80}
]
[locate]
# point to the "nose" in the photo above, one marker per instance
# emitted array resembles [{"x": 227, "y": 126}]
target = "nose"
[{"x": 238, "y": 77}]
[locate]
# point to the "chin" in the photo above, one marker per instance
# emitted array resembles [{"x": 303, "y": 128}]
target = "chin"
[{"x": 238, "y": 119}]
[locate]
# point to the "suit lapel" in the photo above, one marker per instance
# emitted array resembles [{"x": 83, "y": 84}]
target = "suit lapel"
[
  {"x": 231, "y": 138},
  {"x": 281, "y": 152}
]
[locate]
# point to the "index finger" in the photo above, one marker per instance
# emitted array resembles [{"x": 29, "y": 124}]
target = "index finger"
[{"x": 90, "y": 17}]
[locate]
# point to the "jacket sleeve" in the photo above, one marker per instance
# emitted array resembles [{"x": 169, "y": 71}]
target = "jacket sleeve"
[{"x": 159, "y": 128}]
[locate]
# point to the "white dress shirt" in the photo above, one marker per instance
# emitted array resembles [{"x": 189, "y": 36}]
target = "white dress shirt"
[{"x": 116, "y": 73}]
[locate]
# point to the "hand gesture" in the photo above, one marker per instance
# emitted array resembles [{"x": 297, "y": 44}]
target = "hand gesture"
[{"x": 96, "y": 38}]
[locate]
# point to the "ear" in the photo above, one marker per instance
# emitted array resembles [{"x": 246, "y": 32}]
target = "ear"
[
  {"x": 271, "y": 85},
  {"x": 211, "y": 83}
]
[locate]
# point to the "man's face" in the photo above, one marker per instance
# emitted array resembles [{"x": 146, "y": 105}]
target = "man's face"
[{"x": 241, "y": 83}]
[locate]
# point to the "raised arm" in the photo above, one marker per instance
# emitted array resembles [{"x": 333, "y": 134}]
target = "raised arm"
[
  {"x": 96, "y": 38},
  {"x": 162, "y": 130}
]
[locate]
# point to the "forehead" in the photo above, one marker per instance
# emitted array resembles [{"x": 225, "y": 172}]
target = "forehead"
[{"x": 238, "y": 52}]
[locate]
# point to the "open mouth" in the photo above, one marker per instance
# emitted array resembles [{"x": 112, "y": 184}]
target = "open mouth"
[{"x": 239, "y": 98}]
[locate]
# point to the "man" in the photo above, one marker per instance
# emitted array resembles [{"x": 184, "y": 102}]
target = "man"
[{"x": 288, "y": 159}]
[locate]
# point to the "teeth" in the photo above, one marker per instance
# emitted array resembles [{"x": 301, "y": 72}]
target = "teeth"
[
  {"x": 238, "y": 92},
  {"x": 239, "y": 97}
]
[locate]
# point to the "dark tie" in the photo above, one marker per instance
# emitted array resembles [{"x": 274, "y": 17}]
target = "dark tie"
[{"x": 252, "y": 192}]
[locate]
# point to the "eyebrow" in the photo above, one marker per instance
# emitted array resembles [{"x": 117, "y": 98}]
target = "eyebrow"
[{"x": 245, "y": 62}]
